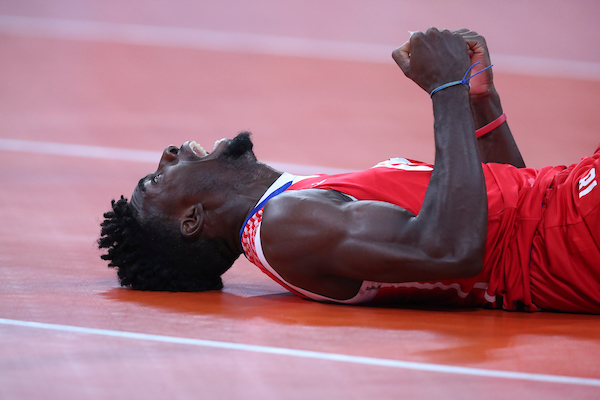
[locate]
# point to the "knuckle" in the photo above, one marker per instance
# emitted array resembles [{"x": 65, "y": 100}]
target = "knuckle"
[
  {"x": 417, "y": 36},
  {"x": 432, "y": 30}
]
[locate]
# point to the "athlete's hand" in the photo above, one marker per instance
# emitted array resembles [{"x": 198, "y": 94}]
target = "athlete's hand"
[
  {"x": 433, "y": 58},
  {"x": 483, "y": 83}
]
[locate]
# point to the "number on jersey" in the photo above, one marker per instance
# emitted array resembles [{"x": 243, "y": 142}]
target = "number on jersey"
[{"x": 587, "y": 183}]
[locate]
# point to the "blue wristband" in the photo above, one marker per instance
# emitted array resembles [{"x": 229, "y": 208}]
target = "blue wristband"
[
  {"x": 447, "y": 85},
  {"x": 465, "y": 80}
]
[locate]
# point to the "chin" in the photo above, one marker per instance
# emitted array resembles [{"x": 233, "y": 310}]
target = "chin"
[{"x": 239, "y": 146}]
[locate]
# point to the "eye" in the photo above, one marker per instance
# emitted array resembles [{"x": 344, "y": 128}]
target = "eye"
[{"x": 155, "y": 179}]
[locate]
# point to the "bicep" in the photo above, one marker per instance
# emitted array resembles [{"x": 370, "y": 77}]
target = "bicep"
[
  {"x": 363, "y": 240},
  {"x": 385, "y": 243}
]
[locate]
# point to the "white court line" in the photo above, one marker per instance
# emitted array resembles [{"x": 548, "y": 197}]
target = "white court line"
[
  {"x": 380, "y": 362},
  {"x": 265, "y": 44},
  {"x": 113, "y": 153}
]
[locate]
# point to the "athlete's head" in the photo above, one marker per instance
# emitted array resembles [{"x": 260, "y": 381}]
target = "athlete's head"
[{"x": 171, "y": 236}]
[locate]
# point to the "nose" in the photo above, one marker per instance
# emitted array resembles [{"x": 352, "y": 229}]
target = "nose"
[{"x": 168, "y": 156}]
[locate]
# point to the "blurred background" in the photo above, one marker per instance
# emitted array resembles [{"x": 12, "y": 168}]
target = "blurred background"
[
  {"x": 313, "y": 80},
  {"x": 92, "y": 91}
]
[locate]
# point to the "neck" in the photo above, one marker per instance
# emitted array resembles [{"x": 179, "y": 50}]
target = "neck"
[{"x": 241, "y": 203}]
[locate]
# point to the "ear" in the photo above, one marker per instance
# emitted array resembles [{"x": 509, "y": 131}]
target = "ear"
[{"x": 192, "y": 221}]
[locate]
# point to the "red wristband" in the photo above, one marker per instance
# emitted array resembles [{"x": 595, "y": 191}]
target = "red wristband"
[{"x": 484, "y": 130}]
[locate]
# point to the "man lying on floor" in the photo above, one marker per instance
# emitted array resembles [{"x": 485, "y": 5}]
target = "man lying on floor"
[{"x": 478, "y": 229}]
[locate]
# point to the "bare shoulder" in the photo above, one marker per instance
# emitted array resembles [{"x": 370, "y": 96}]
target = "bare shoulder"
[
  {"x": 309, "y": 224},
  {"x": 296, "y": 219},
  {"x": 298, "y": 233}
]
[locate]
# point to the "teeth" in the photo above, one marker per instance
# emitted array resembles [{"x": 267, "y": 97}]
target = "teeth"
[
  {"x": 217, "y": 143},
  {"x": 197, "y": 149}
]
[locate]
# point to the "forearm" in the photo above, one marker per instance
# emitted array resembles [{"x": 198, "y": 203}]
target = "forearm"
[
  {"x": 498, "y": 145},
  {"x": 455, "y": 206},
  {"x": 449, "y": 231}
]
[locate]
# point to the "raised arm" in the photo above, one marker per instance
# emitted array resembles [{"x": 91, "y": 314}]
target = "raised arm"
[
  {"x": 320, "y": 242},
  {"x": 453, "y": 219},
  {"x": 498, "y": 145}
]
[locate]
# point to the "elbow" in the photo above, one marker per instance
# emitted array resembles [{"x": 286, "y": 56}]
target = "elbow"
[
  {"x": 467, "y": 256},
  {"x": 472, "y": 262},
  {"x": 469, "y": 260},
  {"x": 458, "y": 263},
  {"x": 463, "y": 255},
  {"x": 470, "y": 267}
]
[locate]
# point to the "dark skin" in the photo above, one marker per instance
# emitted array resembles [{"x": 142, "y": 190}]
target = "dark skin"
[
  {"x": 320, "y": 241},
  {"x": 499, "y": 145},
  {"x": 182, "y": 192}
]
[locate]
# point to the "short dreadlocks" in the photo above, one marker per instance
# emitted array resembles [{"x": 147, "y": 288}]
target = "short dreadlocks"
[{"x": 151, "y": 255}]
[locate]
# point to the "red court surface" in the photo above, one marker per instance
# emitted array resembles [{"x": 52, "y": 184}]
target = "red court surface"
[{"x": 91, "y": 92}]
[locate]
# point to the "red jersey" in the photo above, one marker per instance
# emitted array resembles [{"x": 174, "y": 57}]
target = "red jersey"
[{"x": 517, "y": 203}]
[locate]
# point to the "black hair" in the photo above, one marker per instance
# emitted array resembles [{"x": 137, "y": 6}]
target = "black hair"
[
  {"x": 152, "y": 255},
  {"x": 238, "y": 146}
]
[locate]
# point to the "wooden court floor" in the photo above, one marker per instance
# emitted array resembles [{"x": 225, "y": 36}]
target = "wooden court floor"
[{"x": 90, "y": 94}]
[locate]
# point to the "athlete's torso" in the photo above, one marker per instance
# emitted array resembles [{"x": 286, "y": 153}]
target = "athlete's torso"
[{"x": 404, "y": 183}]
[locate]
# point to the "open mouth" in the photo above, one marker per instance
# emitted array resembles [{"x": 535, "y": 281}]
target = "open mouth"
[{"x": 199, "y": 150}]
